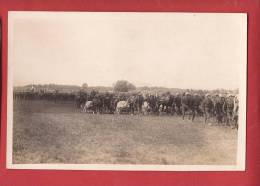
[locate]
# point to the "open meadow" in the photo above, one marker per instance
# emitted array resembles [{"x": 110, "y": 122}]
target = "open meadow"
[{"x": 48, "y": 132}]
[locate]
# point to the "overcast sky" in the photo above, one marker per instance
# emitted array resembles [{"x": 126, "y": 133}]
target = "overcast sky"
[{"x": 200, "y": 51}]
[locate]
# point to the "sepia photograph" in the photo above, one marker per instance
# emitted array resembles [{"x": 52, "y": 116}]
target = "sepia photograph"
[{"x": 127, "y": 91}]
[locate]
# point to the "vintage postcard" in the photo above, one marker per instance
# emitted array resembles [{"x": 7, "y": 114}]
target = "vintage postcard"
[{"x": 127, "y": 91}]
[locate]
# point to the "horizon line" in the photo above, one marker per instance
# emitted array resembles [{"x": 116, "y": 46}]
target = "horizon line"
[{"x": 145, "y": 86}]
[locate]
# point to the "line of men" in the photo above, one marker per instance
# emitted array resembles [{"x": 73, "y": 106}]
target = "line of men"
[
  {"x": 222, "y": 109},
  {"x": 54, "y": 95}
]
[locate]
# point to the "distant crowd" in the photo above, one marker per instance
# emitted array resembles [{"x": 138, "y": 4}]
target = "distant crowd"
[{"x": 220, "y": 108}]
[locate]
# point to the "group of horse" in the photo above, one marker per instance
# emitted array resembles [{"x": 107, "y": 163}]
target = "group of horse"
[
  {"x": 222, "y": 109},
  {"x": 213, "y": 107}
]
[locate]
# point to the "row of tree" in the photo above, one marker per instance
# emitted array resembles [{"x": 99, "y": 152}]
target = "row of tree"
[{"x": 119, "y": 86}]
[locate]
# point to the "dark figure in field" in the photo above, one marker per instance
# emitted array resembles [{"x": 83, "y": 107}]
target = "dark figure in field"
[
  {"x": 208, "y": 107},
  {"x": 138, "y": 102},
  {"x": 187, "y": 105},
  {"x": 153, "y": 103},
  {"x": 97, "y": 103},
  {"x": 131, "y": 102},
  {"x": 214, "y": 98},
  {"x": 108, "y": 99},
  {"x": 195, "y": 105},
  {"x": 235, "y": 114},
  {"x": 229, "y": 110},
  {"x": 92, "y": 95},
  {"x": 171, "y": 105},
  {"x": 220, "y": 108},
  {"x": 177, "y": 104}
]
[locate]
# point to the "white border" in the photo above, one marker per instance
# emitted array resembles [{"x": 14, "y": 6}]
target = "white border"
[{"x": 241, "y": 148}]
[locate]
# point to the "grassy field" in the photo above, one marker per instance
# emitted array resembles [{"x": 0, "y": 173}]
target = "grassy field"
[{"x": 47, "y": 132}]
